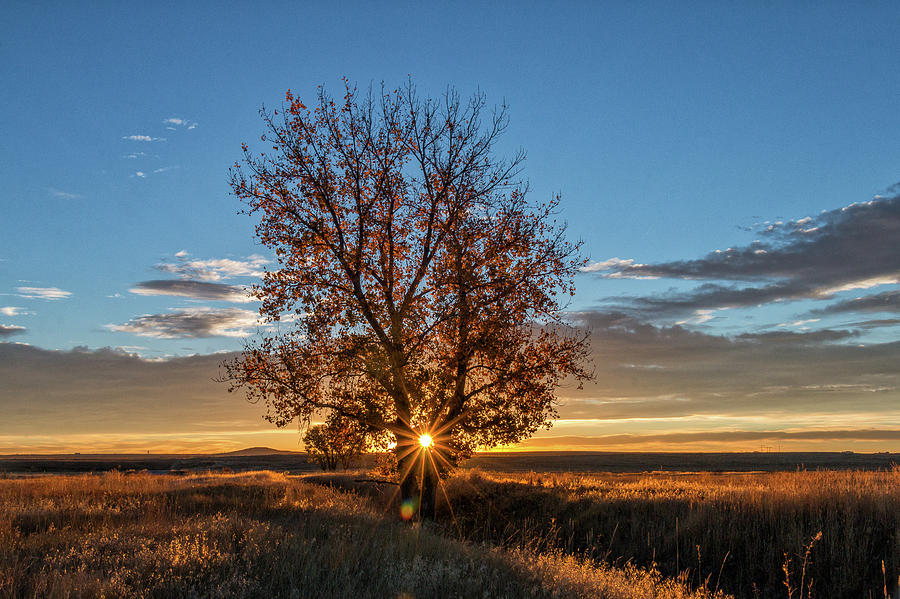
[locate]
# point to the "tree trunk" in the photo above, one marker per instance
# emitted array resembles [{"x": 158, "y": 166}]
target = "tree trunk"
[
  {"x": 406, "y": 470},
  {"x": 419, "y": 486},
  {"x": 429, "y": 492}
]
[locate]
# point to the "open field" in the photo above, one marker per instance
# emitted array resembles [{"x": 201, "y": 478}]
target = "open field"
[
  {"x": 264, "y": 535},
  {"x": 739, "y": 530},
  {"x": 502, "y": 533}
]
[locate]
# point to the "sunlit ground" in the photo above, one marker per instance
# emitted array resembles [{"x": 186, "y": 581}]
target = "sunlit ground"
[
  {"x": 264, "y": 534},
  {"x": 513, "y": 533}
]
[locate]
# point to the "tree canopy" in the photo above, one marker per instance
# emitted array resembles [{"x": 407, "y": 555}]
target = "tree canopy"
[{"x": 424, "y": 288}]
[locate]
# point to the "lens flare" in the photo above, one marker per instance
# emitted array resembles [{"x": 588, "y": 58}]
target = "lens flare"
[
  {"x": 407, "y": 509},
  {"x": 426, "y": 440}
]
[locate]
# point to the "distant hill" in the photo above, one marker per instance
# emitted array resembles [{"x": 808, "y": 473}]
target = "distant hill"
[{"x": 257, "y": 451}]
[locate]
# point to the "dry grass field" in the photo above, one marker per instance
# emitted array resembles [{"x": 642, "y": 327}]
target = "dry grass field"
[
  {"x": 746, "y": 533},
  {"x": 517, "y": 534},
  {"x": 265, "y": 535}
]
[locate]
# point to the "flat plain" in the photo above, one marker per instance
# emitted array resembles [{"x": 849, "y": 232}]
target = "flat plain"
[
  {"x": 263, "y": 458},
  {"x": 510, "y": 525}
]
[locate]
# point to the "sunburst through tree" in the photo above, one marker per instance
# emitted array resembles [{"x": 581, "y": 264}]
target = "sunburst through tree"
[{"x": 425, "y": 286}]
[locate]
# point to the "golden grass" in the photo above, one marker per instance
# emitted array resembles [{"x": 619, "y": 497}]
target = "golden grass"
[
  {"x": 264, "y": 535},
  {"x": 737, "y": 531}
]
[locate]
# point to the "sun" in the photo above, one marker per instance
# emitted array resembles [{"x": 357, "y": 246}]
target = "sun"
[{"x": 425, "y": 440}]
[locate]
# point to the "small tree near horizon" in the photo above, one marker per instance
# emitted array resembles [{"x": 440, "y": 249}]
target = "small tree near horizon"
[
  {"x": 425, "y": 287},
  {"x": 337, "y": 443}
]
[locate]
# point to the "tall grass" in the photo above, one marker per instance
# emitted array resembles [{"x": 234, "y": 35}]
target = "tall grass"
[
  {"x": 745, "y": 533},
  {"x": 264, "y": 535}
]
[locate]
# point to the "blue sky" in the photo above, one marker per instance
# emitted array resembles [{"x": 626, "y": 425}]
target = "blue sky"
[{"x": 671, "y": 131}]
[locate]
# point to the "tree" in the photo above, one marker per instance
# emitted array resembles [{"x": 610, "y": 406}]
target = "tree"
[
  {"x": 338, "y": 442},
  {"x": 423, "y": 285}
]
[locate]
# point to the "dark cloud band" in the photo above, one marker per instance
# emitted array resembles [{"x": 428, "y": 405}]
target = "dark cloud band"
[
  {"x": 112, "y": 391},
  {"x": 192, "y": 323},
  {"x": 810, "y": 258},
  {"x": 644, "y": 370},
  {"x": 889, "y": 301},
  {"x": 890, "y": 435},
  {"x": 193, "y": 289},
  {"x": 10, "y": 330}
]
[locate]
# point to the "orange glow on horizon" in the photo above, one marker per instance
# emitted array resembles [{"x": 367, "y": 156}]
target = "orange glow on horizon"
[{"x": 207, "y": 442}]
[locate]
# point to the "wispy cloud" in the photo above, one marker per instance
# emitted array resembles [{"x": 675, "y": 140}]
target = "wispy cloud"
[
  {"x": 214, "y": 269},
  {"x": 799, "y": 323},
  {"x": 878, "y": 323},
  {"x": 64, "y": 195},
  {"x": 143, "y": 138},
  {"x": 144, "y": 174},
  {"x": 197, "y": 278},
  {"x": 46, "y": 293},
  {"x": 12, "y": 311},
  {"x": 611, "y": 264},
  {"x": 192, "y": 323},
  {"x": 193, "y": 289},
  {"x": 776, "y": 338},
  {"x": 888, "y": 301},
  {"x": 8, "y": 330},
  {"x": 173, "y": 122},
  {"x": 699, "y": 317}
]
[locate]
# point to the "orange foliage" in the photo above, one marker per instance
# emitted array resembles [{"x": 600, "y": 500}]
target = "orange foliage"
[{"x": 425, "y": 287}]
